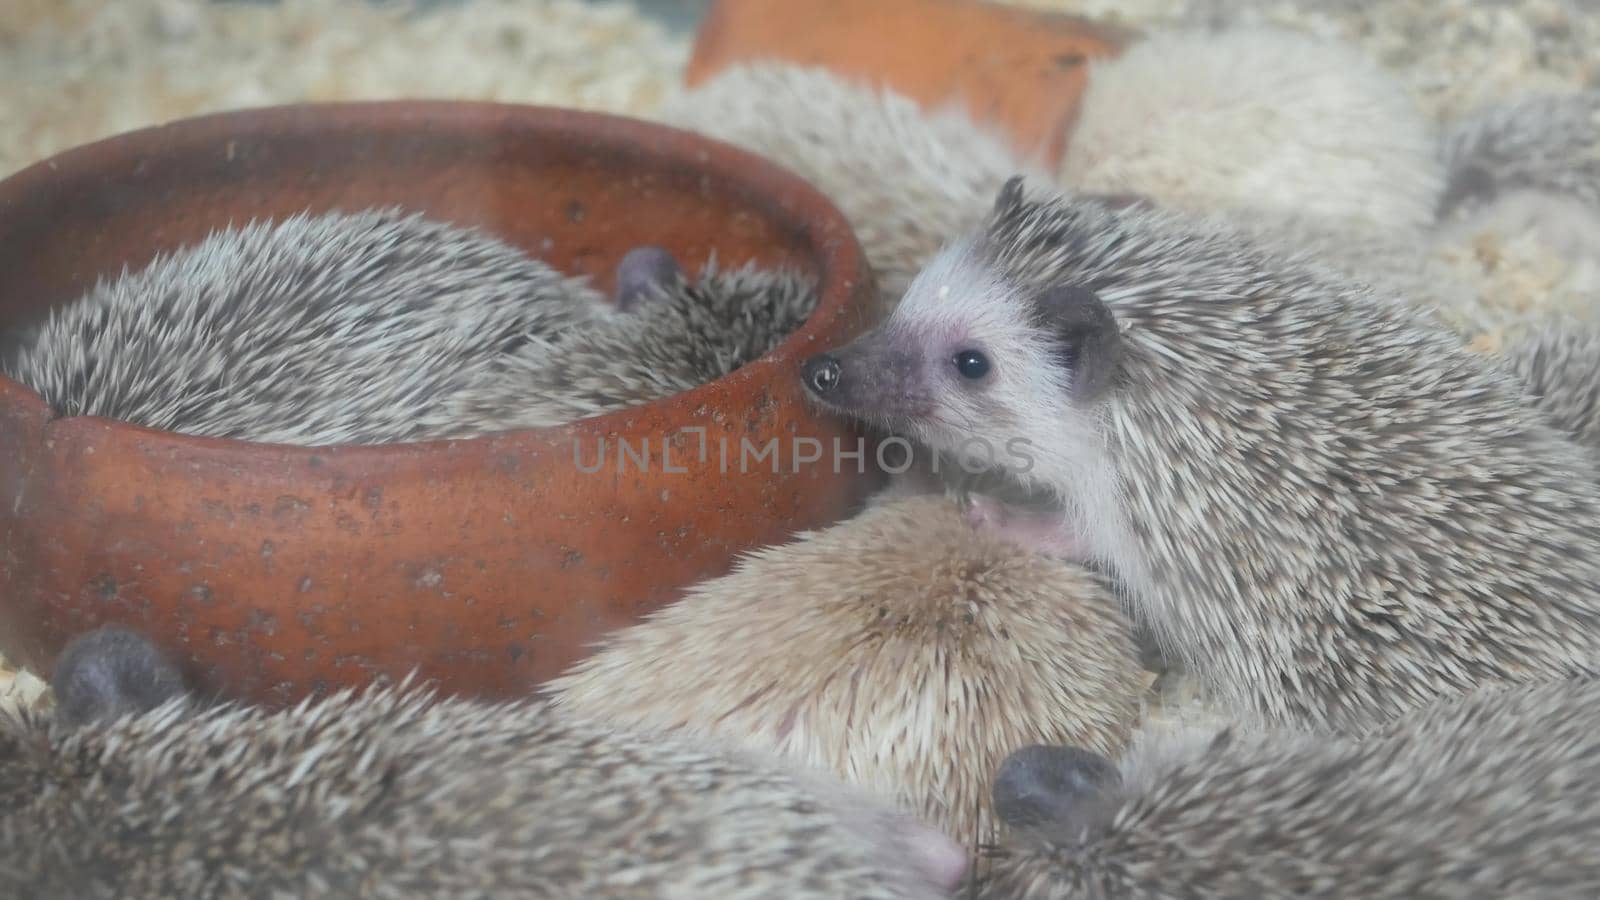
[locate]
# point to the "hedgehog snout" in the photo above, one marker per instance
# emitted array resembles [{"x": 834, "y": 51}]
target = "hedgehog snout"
[
  {"x": 870, "y": 379},
  {"x": 821, "y": 374}
]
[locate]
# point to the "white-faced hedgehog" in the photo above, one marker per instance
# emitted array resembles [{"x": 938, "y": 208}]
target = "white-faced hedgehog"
[
  {"x": 1319, "y": 502},
  {"x": 395, "y": 792},
  {"x": 1489, "y": 795},
  {"x": 900, "y": 651}
]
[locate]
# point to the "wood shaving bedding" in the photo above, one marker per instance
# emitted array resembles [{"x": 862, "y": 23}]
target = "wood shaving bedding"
[{"x": 79, "y": 70}]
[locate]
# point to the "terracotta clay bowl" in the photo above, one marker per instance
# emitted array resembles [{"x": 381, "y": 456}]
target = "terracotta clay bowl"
[
  {"x": 1021, "y": 72},
  {"x": 489, "y": 564}
]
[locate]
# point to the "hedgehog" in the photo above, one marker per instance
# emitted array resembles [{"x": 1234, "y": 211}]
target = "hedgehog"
[
  {"x": 1513, "y": 225},
  {"x": 318, "y": 329},
  {"x": 907, "y": 179},
  {"x": 1248, "y": 118},
  {"x": 900, "y": 651},
  {"x": 1483, "y": 795},
  {"x": 381, "y": 327},
  {"x": 1545, "y": 143},
  {"x": 397, "y": 791},
  {"x": 1317, "y": 500},
  {"x": 680, "y": 333},
  {"x": 1310, "y": 129},
  {"x": 1558, "y": 361}
]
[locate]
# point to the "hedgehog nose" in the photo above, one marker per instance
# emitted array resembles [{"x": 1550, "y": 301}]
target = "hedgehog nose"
[{"x": 821, "y": 374}]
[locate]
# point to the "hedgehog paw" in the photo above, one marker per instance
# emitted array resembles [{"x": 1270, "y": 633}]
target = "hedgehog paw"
[{"x": 985, "y": 513}]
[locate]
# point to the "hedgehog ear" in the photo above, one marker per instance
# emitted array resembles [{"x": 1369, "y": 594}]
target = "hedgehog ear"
[
  {"x": 110, "y": 672},
  {"x": 1010, "y": 195},
  {"x": 1086, "y": 336},
  {"x": 644, "y": 272},
  {"x": 1056, "y": 787}
]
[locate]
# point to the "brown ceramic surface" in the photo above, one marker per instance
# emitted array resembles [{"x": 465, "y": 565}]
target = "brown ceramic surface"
[
  {"x": 1020, "y": 71},
  {"x": 490, "y": 564}
]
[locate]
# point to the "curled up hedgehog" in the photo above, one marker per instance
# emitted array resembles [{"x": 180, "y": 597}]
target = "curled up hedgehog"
[
  {"x": 139, "y": 790},
  {"x": 899, "y": 651},
  {"x": 383, "y": 326}
]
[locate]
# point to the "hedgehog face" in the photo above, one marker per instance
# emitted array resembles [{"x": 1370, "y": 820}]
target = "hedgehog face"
[{"x": 976, "y": 369}]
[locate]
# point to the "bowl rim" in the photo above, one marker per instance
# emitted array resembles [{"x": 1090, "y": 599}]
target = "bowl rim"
[{"x": 843, "y": 275}]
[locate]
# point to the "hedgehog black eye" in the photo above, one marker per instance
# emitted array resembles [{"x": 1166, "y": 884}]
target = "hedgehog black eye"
[{"x": 972, "y": 364}]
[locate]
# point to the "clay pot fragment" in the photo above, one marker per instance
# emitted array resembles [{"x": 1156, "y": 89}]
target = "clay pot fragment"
[{"x": 1022, "y": 72}]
